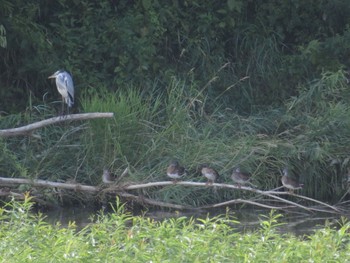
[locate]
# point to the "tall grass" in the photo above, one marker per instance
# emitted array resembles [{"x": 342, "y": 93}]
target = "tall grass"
[
  {"x": 150, "y": 128},
  {"x": 119, "y": 237}
]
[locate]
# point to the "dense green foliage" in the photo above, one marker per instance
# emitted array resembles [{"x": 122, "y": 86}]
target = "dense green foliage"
[
  {"x": 277, "y": 45},
  {"x": 261, "y": 84},
  {"x": 120, "y": 237}
]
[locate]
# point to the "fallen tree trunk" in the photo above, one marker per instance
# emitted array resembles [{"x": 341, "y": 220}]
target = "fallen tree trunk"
[{"x": 25, "y": 130}]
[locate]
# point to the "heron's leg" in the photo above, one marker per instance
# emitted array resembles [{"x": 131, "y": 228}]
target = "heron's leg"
[{"x": 62, "y": 112}]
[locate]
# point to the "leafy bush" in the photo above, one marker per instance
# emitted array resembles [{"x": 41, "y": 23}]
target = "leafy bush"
[{"x": 119, "y": 236}]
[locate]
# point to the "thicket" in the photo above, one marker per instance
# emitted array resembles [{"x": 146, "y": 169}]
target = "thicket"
[{"x": 262, "y": 84}]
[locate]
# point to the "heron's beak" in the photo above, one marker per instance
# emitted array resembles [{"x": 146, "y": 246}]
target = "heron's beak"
[{"x": 52, "y": 76}]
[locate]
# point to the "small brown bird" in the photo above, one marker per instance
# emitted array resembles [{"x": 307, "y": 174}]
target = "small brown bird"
[
  {"x": 175, "y": 171},
  {"x": 211, "y": 174},
  {"x": 290, "y": 183},
  {"x": 241, "y": 178},
  {"x": 107, "y": 177}
]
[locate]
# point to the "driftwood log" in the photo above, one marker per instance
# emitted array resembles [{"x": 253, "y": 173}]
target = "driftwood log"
[
  {"x": 121, "y": 190},
  {"x": 28, "y": 129}
]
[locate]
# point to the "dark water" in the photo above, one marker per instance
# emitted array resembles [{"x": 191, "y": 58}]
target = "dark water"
[{"x": 249, "y": 218}]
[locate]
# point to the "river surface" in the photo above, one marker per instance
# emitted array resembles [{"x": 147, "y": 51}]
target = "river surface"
[{"x": 299, "y": 224}]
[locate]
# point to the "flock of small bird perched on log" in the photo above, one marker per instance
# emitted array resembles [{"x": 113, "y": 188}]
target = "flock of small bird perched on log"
[{"x": 177, "y": 172}]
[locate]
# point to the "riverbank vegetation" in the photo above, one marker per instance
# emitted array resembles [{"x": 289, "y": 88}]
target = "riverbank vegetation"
[
  {"x": 118, "y": 236},
  {"x": 256, "y": 84},
  {"x": 308, "y": 134}
]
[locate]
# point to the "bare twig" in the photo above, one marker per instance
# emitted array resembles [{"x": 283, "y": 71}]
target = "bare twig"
[
  {"x": 238, "y": 201},
  {"x": 25, "y": 130},
  {"x": 318, "y": 202},
  {"x": 143, "y": 200},
  {"x": 285, "y": 201},
  {"x": 306, "y": 198},
  {"x": 341, "y": 199}
]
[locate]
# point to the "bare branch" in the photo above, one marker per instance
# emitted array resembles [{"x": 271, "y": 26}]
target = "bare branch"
[
  {"x": 238, "y": 201},
  {"x": 50, "y": 184},
  {"x": 25, "y": 130},
  {"x": 187, "y": 183},
  {"x": 318, "y": 202},
  {"x": 120, "y": 190},
  {"x": 143, "y": 200}
]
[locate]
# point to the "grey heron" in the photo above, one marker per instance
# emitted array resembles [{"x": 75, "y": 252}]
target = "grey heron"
[{"x": 65, "y": 87}]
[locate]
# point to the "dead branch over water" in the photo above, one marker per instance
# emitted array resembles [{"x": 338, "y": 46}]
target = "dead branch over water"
[{"x": 275, "y": 200}]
